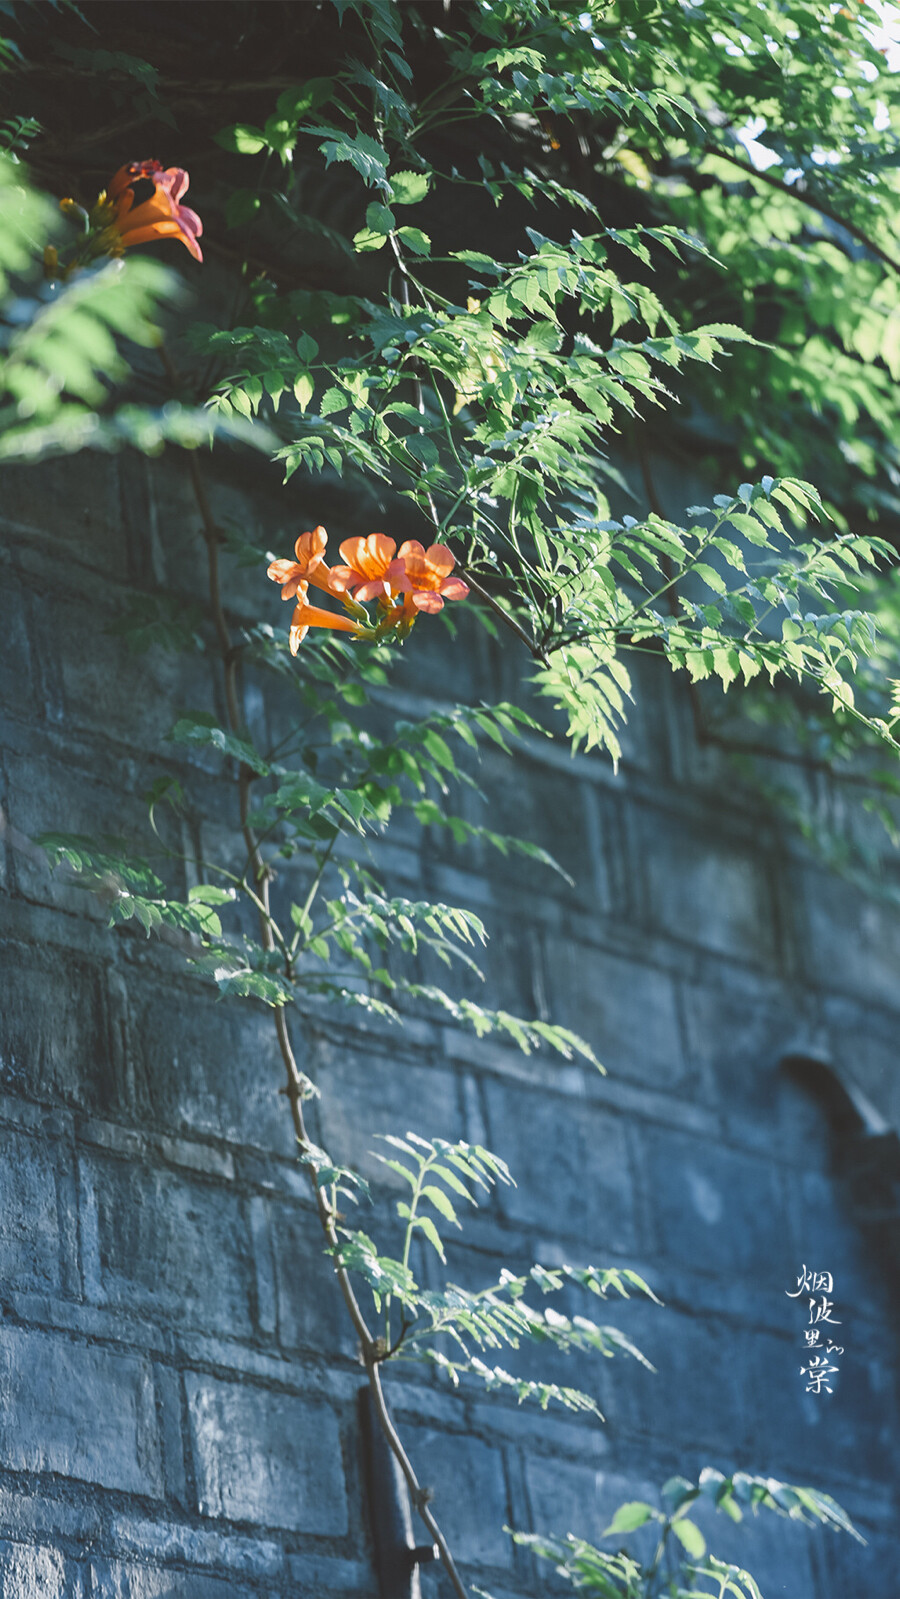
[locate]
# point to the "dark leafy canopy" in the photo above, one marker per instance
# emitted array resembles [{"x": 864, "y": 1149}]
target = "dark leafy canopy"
[
  {"x": 487, "y": 391},
  {"x": 641, "y": 260}
]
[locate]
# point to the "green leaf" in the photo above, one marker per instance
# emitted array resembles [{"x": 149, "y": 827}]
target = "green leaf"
[
  {"x": 415, "y": 240},
  {"x": 630, "y": 1516},
  {"x": 441, "y": 1203},
  {"x": 408, "y": 188},
  {"x": 431, "y": 1233},
  {"x": 304, "y": 389},
  {"x": 379, "y": 218},
  {"x": 209, "y": 894},
  {"x": 295, "y": 103},
  {"x": 202, "y": 728},
  {"x": 242, "y": 138},
  {"x": 690, "y": 1536}
]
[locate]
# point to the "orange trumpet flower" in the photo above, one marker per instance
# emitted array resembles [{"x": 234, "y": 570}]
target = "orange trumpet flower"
[
  {"x": 366, "y": 574},
  {"x": 306, "y": 616},
  {"x": 160, "y": 215},
  {"x": 309, "y": 566},
  {"x": 423, "y": 577}
]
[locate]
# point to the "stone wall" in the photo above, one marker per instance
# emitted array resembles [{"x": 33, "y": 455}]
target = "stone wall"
[{"x": 177, "y": 1400}]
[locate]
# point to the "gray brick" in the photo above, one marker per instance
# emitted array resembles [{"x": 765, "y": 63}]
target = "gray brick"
[
  {"x": 703, "y": 1388},
  {"x": 574, "y": 1152},
  {"x": 209, "y": 1066},
  {"x": 627, "y": 1011},
  {"x": 169, "y": 1407},
  {"x": 266, "y": 1457},
  {"x": 77, "y": 1411},
  {"x": 329, "y": 1575},
  {"x": 53, "y": 1034},
  {"x": 707, "y": 891},
  {"x": 852, "y": 942},
  {"x": 196, "y": 1546},
  {"x": 310, "y": 1309},
  {"x": 29, "y": 1227},
  {"x": 99, "y": 801},
  {"x": 716, "y": 1210},
  {"x": 170, "y": 1247},
  {"x": 89, "y": 532},
  {"x": 109, "y": 689},
  {"x": 18, "y": 685},
  {"x": 29, "y": 1573},
  {"x": 369, "y": 1092},
  {"x": 119, "y": 1579},
  {"x": 570, "y": 1498},
  {"x": 470, "y": 1493},
  {"x": 524, "y": 801}
]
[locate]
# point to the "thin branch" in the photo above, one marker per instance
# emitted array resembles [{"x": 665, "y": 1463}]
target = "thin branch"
[{"x": 809, "y": 200}]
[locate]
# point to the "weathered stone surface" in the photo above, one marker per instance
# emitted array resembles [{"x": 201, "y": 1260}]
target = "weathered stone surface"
[
  {"x": 575, "y": 1153},
  {"x": 29, "y": 1226},
  {"x": 160, "y": 1222},
  {"x": 626, "y": 1010},
  {"x": 701, "y": 1392},
  {"x": 78, "y": 1411},
  {"x": 266, "y": 1457},
  {"x": 707, "y": 890},
  {"x": 206, "y": 1065},
  {"x": 53, "y": 1033},
  {"x": 34, "y": 1573},
  {"x": 167, "y": 1246},
  {"x": 569, "y": 1498},
  {"x": 119, "y": 1579},
  {"x": 471, "y": 1496},
  {"x": 366, "y": 1092},
  {"x": 308, "y": 1303},
  {"x": 716, "y": 1209},
  {"x": 852, "y": 943}
]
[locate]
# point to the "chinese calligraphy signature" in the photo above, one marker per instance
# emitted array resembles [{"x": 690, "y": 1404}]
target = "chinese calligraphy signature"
[{"x": 816, "y": 1287}]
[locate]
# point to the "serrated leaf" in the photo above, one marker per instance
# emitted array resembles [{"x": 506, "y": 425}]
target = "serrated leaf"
[{"x": 408, "y": 188}]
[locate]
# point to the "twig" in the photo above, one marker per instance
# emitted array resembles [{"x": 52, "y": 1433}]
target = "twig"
[
  {"x": 537, "y": 650},
  {"x": 808, "y": 200}
]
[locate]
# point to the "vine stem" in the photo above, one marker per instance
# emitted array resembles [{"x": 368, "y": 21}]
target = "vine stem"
[{"x": 370, "y": 1347}]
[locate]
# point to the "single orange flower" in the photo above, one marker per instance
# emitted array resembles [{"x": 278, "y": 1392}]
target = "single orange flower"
[
  {"x": 423, "y": 577},
  {"x": 160, "y": 215},
  {"x": 307, "y": 616},
  {"x": 309, "y": 566},
  {"x": 366, "y": 573}
]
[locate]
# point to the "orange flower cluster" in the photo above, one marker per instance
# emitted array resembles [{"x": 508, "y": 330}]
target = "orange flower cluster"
[{"x": 403, "y": 582}]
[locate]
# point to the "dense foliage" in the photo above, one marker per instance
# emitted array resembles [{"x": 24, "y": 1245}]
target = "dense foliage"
[{"x": 563, "y": 226}]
